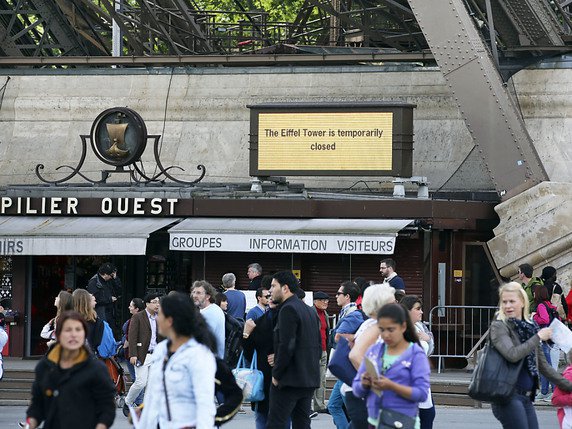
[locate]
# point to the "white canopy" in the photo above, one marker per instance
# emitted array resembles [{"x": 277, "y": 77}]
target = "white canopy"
[
  {"x": 347, "y": 236},
  {"x": 34, "y": 235}
]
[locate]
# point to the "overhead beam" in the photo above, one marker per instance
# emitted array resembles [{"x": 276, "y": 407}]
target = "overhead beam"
[
  {"x": 491, "y": 115},
  {"x": 226, "y": 60}
]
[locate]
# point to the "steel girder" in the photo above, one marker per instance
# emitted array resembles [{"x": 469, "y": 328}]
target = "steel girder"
[
  {"x": 487, "y": 108},
  {"x": 523, "y": 30},
  {"x": 40, "y": 28}
]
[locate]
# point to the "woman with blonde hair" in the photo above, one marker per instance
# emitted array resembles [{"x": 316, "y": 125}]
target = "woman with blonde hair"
[
  {"x": 374, "y": 297},
  {"x": 516, "y": 337},
  {"x": 62, "y": 302},
  {"x": 84, "y": 304}
]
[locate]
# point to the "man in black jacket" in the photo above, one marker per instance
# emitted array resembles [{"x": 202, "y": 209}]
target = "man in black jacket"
[
  {"x": 105, "y": 287},
  {"x": 297, "y": 351}
]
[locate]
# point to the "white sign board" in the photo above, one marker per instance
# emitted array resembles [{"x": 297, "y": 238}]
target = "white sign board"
[
  {"x": 251, "y": 298},
  {"x": 285, "y": 243}
]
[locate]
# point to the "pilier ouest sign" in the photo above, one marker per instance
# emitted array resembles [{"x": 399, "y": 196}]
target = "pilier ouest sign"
[
  {"x": 295, "y": 243},
  {"x": 71, "y": 206}
]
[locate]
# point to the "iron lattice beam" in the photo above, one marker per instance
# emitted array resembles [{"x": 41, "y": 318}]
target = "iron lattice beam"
[
  {"x": 41, "y": 28},
  {"x": 524, "y": 30}
]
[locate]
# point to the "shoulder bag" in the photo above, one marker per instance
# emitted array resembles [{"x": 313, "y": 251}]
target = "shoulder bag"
[
  {"x": 250, "y": 380},
  {"x": 389, "y": 419},
  {"x": 494, "y": 378},
  {"x": 340, "y": 364}
]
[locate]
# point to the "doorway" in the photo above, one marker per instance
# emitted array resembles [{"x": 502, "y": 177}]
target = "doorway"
[{"x": 481, "y": 279}]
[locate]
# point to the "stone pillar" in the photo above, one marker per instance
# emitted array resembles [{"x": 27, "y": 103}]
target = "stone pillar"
[{"x": 536, "y": 228}]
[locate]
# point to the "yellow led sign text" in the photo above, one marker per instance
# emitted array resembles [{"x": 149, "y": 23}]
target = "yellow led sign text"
[{"x": 325, "y": 141}]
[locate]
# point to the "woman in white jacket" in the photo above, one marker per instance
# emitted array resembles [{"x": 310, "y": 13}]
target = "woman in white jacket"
[
  {"x": 62, "y": 302},
  {"x": 3, "y": 341},
  {"x": 181, "y": 386}
]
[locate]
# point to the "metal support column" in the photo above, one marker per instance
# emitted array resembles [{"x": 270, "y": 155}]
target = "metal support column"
[{"x": 486, "y": 106}]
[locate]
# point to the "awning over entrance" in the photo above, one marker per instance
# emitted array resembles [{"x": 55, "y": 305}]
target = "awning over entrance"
[
  {"x": 77, "y": 235},
  {"x": 347, "y": 236}
]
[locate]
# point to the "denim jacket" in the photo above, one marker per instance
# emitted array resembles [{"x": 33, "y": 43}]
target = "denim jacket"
[
  {"x": 189, "y": 376},
  {"x": 411, "y": 369}
]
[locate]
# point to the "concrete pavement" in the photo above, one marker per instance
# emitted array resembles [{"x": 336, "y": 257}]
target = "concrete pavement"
[{"x": 447, "y": 418}]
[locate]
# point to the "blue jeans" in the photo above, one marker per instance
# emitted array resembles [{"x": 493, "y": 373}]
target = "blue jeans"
[
  {"x": 335, "y": 404},
  {"x": 518, "y": 413},
  {"x": 544, "y": 383}
]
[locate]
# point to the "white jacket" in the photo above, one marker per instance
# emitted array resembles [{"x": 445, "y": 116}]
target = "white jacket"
[{"x": 189, "y": 377}]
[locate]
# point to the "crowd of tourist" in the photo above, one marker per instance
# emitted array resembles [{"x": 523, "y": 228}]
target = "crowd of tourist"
[{"x": 180, "y": 349}]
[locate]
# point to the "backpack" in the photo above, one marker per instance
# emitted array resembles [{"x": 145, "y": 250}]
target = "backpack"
[
  {"x": 559, "y": 301},
  {"x": 530, "y": 288},
  {"x": 228, "y": 392},
  {"x": 108, "y": 347},
  {"x": 552, "y": 313},
  {"x": 233, "y": 329}
]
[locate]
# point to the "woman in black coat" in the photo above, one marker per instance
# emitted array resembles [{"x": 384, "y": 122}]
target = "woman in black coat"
[
  {"x": 72, "y": 388},
  {"x": 84, "y": 304}
]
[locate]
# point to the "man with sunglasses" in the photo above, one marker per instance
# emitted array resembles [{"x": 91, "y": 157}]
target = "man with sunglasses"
[
  {"x": 262, "y": 296},
  {"x": 346, "y": 297}
]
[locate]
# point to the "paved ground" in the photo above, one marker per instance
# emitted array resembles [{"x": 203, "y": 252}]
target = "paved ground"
[{"x": 447, "y": 418}]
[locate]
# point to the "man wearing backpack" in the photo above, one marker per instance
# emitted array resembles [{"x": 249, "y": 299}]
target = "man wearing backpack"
[
  {"x": 233, "y": 329},
  {"x": 555, "y": 293},
  {"x": 349, "y": 320},
  {"x": 529, "y": 283}
]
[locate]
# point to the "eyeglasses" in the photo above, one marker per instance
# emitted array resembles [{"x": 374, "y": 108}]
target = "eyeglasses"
[
  {"x": 267, "y": 296},
  {"x": 340, "y": 293},
  {"x": 155, "y": 301}
]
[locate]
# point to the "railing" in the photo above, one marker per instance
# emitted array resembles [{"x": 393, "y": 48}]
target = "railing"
[{"x": 459, "y": 330}]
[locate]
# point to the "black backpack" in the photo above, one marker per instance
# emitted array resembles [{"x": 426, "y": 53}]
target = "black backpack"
[
  {"x": 228, "y": 392},
  {"x": 233, "y": 329}
]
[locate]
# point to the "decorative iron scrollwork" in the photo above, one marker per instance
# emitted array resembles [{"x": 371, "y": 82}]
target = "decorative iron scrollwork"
[{"x": 118, "y": 138}]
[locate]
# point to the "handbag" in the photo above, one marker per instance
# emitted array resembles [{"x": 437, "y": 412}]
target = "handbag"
[
  {"x": 494, "y": 378},
  {"x": 389, "y": 419},
  {"x": 250, "y": 380},
  {"x": 340, "y": 364}
]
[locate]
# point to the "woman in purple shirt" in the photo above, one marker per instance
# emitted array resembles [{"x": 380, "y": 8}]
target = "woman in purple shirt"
[{"x": 402, "y": 367}]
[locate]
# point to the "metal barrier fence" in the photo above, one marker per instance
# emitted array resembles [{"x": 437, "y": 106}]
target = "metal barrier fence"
[{"x": 459, "y": 330}]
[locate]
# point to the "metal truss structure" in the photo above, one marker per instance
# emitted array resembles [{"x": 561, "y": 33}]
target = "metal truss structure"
[{"x": 522, "y": 30}]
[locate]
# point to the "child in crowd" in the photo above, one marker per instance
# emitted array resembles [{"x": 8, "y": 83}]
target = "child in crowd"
[
  {"x": 563, "y": 399},
  {"x": 401, "y": 371}
]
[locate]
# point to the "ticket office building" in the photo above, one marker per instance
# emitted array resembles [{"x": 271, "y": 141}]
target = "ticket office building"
[{"x": 165, "y": 243}]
